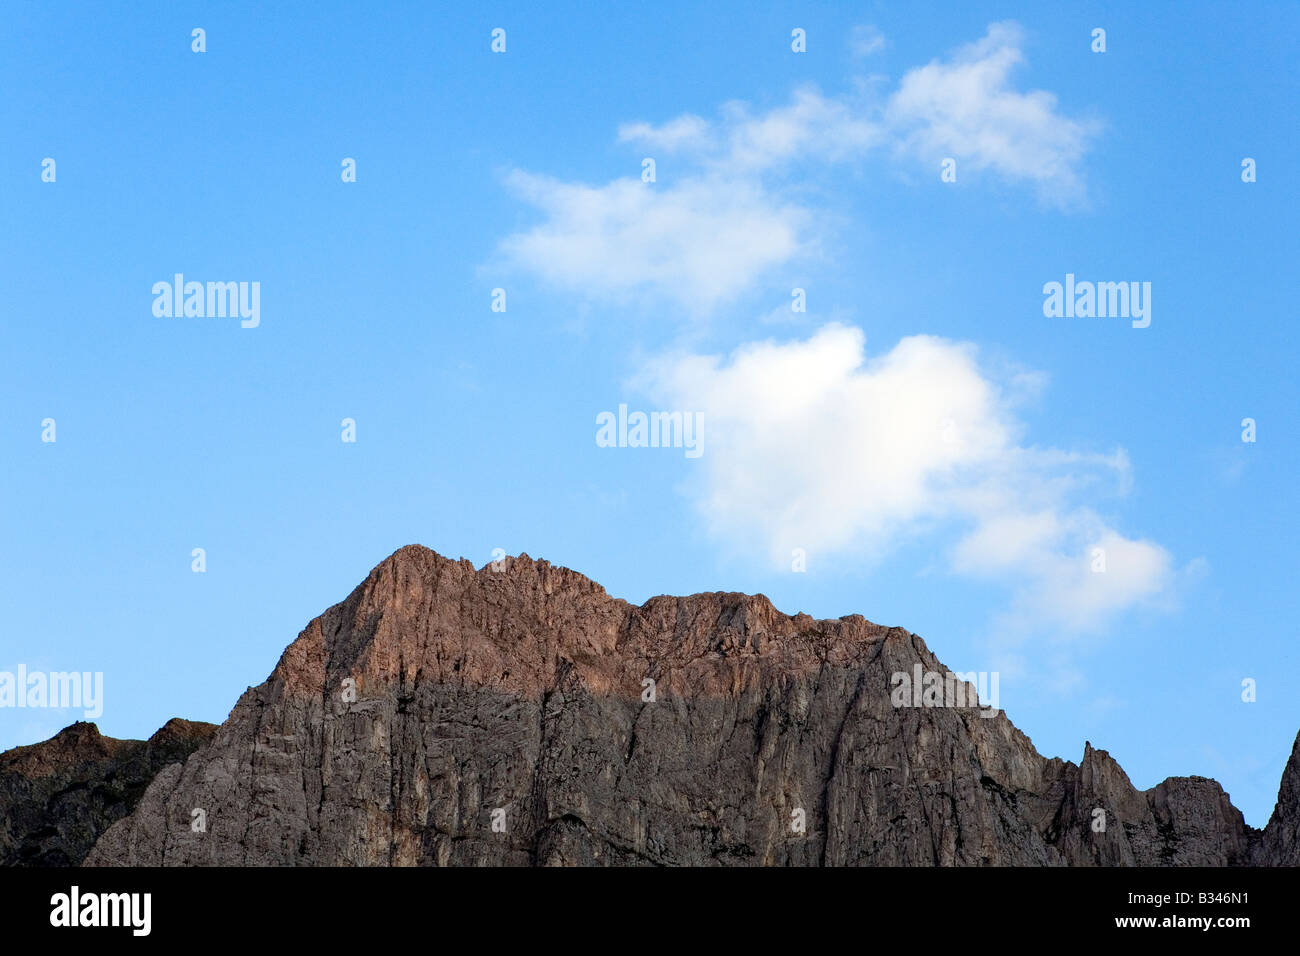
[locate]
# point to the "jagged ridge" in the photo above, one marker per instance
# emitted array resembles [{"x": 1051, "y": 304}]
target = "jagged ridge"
[
  {"x": 516, "y": 697},
  {"x": 59, "y": 796}
]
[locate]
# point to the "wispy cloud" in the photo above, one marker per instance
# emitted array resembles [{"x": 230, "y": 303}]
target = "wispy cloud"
[
  {"x": 697, "y": 242},
  {"x": 734, "y": 211},
  {"x": 865, "y": 39},
  {"x": 686, "y": 132},
  {"x": 965, "y": 108}
]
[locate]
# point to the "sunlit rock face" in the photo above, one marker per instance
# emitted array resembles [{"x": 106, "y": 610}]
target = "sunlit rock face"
[{"x": 518, "y": 715}]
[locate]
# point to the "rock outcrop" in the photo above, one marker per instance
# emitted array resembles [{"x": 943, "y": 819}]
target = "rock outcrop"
[
  {"x": 58, "y": 797},
  {"x": 447, "y": 715},
  {"x": 1279, "y": 843}
]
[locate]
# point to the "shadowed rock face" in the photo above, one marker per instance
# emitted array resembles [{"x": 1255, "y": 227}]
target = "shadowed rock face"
[
  {"x": 57, "y": 797},
  {"x": 517, "y": 698},
  {"x": 1279, "y": 843}
]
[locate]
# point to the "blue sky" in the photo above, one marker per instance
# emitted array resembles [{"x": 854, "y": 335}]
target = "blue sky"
[{"x": 946, "y": 455}]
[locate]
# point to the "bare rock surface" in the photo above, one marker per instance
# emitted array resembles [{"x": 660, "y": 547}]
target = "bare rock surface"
[
  {"x": 447, "y": 715},
  {"x": 1279, "y": 842},
  {"x": 443, "y": 715},
  {"x": 57, "y": 797}
]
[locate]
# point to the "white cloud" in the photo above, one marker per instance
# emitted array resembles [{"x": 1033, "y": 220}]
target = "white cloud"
[
  {"x": 865, "y": 40},
  {"x": 727, "y": 214},
  {"x": 812, "y": 125},
  {"x": 813, "y": 444},
  {"x": 965, "y": 108},
  {"x": 698, "y": 242},
  {"x": 686, "y": 132}
]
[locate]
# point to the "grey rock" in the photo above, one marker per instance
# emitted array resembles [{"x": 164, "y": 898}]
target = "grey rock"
[
  {"x": 57, "y": 797},
  {"x": 1279, "y": 842},
  {"x": 500, "y": 718}
]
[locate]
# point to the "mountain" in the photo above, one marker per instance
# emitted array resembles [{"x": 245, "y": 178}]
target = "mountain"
[
  {"x": 443, "y": 715},
  {"x": 58, "y": 797}
]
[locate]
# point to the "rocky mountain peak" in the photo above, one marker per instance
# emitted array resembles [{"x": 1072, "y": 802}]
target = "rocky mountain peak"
[
  {"x": 518, "y": 714},
  {"x": 57, "y": 797}
]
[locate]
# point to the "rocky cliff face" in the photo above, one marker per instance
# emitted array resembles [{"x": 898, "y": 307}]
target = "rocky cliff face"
[
  {"x": 443, "y": 715},
  {"x": 1279, "y": 843},
  {"x": 58, "y": 797}
]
